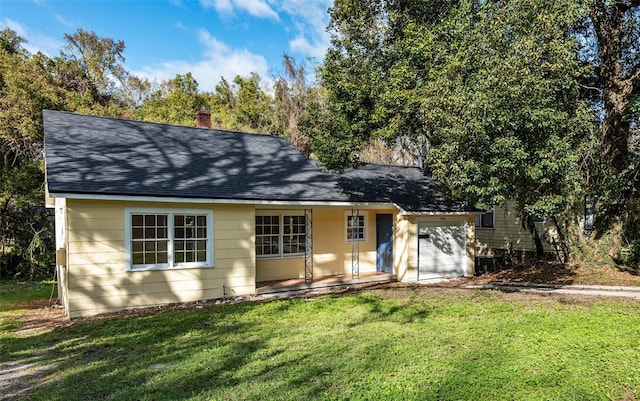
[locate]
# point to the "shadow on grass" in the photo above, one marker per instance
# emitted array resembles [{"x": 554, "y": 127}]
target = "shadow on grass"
[
  {"x": 378, "y": 309},
  {"x": 171, "y": 355},
  {"x": 630, "y": 270},
  {"x": 417, "y": 345}
]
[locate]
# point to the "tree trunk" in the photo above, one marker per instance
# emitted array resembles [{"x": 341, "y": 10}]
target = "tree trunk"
[
  {"x": 563, "y": 246},
  {"x": 618, "y": 87},
  {"x": 536, "y": 236}
]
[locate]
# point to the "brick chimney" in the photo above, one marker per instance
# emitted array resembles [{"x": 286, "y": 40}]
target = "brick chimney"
[{"x": 203, "y": 119}]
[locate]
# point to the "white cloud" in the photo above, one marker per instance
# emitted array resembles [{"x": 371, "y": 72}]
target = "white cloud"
[
  {"x": 310, "y": 19},
  {"x": 36, "y": 41},
  {"x": 256, "y": 8},
  {"x": 64, "y": 22},
  {"x": 219, "y": 61}
]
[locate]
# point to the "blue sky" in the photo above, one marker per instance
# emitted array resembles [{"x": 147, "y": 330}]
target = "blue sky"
[{"x": 209, "y": 38}]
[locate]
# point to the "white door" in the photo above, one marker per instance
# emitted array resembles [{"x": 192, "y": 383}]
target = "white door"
[{"x": 442, "y": 250}]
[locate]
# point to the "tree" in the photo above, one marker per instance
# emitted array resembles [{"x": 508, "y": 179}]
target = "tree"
[
  {"x": 252, "y": 104},
  {"x": 176, "y": 102},
  {"x": 25, "y": 90},
  {"x": 614, "y": 30},
  {"x": 222, "y": 104},
  {"x": 242, "y": 105},
  {"x": 487, "y": 92},
  {"x": 101, "y": 59},
  {"x": 293, "y": 100},
  {"x": 30, "y": 83}
]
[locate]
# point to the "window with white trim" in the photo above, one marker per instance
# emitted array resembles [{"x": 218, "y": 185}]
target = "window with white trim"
[
  {"x": 486, "y": 220},
  {"x": 355, "y": 226},
  {"x": 280, "y": 234},
  {"x": 168, "y": 238}
]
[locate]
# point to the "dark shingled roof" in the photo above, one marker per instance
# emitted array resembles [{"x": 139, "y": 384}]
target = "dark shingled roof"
[
  {"x": 108, "y": 156},
  {"x": 406, "y": 187}
]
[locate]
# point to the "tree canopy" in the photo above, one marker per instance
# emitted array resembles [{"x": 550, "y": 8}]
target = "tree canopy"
[{"x": 496, "y": 97}]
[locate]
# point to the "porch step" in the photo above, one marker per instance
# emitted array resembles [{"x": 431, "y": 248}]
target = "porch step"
[{"x": 323, "y": 282}]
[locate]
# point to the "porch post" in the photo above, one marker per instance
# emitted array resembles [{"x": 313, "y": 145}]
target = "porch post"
[
  {"x": 308, "y": 246},
  {"x": 355, "y": 243}
]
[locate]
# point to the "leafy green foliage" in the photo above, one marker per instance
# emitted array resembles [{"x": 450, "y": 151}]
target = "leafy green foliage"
[
  {"x": 26, "y": 89},
  {"x": 487, "y": 92},
  {"x": 80, "y": 80},
  {"x": 520, "y": 123},
  {"x": 175, "y": 102}
]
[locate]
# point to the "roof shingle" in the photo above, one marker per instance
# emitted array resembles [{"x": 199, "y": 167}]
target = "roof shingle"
[{"x": 108, "y": 156}]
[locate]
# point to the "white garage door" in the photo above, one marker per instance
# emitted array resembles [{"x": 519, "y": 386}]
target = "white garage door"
[{"x": 442, "y": 250}]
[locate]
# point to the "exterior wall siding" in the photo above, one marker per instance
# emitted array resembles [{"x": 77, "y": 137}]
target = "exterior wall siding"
[
  {"x": 96, "y": 274},
  {"x": 508, "y": 228},
  {"x": 97, "y": 280}
]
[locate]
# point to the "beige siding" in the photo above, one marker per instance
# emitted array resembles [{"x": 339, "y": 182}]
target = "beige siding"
[
  {"x": 98, "y": 281},
  {"x": 404, "y": 248},
  {"x": 332, "y": 252},
  {"x": 508, "y": 228}
]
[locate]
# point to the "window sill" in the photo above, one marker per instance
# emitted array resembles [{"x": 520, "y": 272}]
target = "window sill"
[
  {"x": 152, "y": 268},
  {"x": 291, "y": 256}
]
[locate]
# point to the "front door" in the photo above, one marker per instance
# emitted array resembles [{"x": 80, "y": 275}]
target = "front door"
[{"x": 384, "y": 243}]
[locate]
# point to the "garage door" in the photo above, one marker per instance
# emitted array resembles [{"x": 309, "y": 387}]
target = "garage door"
[{"x": 442, "y": 250}]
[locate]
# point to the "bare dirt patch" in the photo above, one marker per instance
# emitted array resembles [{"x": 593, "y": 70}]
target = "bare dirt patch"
[
  {"x": 547, "y": 272},
  {"x": 40, "y": 319},
  {"x": 38, "y": 315}
]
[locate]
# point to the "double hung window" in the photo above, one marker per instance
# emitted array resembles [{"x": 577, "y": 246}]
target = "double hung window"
[
  {"x": 355, "y": 226},
  {"x": 280, "y": 234},
  {"x": 165, "y": 239}
]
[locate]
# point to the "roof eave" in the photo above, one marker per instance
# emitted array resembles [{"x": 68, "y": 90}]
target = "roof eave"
[
  {"x": 404, "y": 212},
  {"x": 173, "y": 199}
]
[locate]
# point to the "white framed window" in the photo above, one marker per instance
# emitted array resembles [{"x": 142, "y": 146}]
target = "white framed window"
[
  {"x": 168, "y": 238},
  {"x": 487, "y": 219},
  {"x": 355, "y": 226},
  {"x": 280, "y": 233}
]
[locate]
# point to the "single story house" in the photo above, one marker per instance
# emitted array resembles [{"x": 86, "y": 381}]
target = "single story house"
[{"x": 149, "y": 214}]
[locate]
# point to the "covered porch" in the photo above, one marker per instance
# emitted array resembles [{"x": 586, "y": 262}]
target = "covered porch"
[{"x": 301, "y": 249}]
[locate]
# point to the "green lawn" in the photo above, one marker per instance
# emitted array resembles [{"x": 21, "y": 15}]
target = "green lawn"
[
  {"x": 403, "y": 343},
  {"x": 15, "y": 295}
]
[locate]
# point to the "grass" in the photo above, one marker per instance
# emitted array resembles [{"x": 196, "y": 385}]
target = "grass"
[
  {"x": 403, "y": 343},
  {"x": 16, "y": 295}
]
